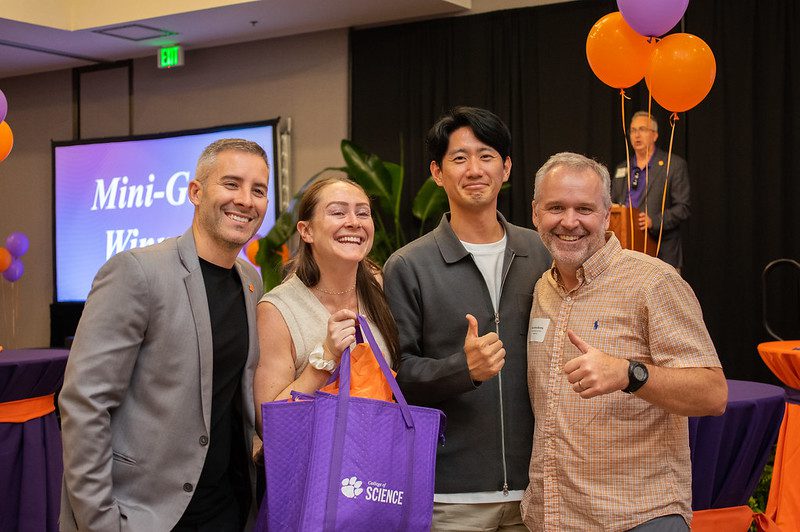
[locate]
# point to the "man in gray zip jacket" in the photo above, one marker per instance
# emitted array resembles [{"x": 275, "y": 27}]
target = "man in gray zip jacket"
[{"x": 461, "y": 296}]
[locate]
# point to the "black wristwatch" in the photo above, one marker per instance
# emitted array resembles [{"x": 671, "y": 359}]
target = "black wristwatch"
[{"x": 637, "y": 376}]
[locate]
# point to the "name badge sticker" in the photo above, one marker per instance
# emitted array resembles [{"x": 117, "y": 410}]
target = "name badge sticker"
[
  {"x": 620, "y": 172},
  {"x": 538, "y": 329}
]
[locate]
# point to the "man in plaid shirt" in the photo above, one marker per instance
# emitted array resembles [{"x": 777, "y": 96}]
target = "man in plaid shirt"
[{"x": 607, "y": 321}]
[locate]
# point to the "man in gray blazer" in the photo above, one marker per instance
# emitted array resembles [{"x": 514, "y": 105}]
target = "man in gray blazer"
[
  {"x": 648, "y": 174},
  {"x": 157, "y": 404}
]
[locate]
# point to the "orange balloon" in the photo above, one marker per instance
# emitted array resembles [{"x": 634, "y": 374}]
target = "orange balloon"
[
  {"x": 6, "y": 140},
  {"x": 251, "y": 250},
  {"x": 617, "y": 54},
  {"x": 681, "y": 72},
  {"x": 5, "y": 259}
]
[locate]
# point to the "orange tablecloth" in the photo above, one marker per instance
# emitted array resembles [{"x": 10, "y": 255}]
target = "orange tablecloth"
[
  {"x": 732, "y": 519},
  {"x": 783, "y": 505},
  {"x": 783, "y": 358}
]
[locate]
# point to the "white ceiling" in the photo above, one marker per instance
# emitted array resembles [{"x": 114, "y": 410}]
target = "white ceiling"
[{"x": 41, "y": 35}]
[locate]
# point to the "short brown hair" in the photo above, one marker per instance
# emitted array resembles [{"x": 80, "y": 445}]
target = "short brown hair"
[{"x": 209, "y": 155}]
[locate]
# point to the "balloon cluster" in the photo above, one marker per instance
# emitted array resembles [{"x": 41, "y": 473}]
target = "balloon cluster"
[
  {"x": 10, "y": 262},
  {"x": 6, "y": 136},
  {"x": 623, "y": 47}
]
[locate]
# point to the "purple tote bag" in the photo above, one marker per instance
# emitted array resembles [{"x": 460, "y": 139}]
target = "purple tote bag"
[{"x": 336, "y": 462}]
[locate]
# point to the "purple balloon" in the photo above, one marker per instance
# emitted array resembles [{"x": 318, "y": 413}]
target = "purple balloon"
[
  {"x": 14, "y": 271},
  {"x": 3, "y": 106},
  {"x": 652, "y": 18},
  {"x": 17, "y": 244}
]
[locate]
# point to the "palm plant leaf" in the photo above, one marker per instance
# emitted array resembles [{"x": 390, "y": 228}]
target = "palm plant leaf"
[
  {"x": 369, "y": 171},
  {"x": 430, "y": 202}
]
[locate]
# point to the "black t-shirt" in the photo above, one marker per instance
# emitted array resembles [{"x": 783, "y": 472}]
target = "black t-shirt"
[{"x": 224, "y": 480}]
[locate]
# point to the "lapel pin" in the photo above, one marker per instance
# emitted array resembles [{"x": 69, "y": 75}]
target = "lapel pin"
[{"x": 251, "y": 287}]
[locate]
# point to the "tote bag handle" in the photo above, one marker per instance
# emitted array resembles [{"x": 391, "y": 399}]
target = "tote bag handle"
[
  {"x": 342, "y": 371},
  {"x": 340, "y": 422}
]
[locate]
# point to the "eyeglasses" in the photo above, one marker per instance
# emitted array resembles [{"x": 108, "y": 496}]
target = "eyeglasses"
[
  {"x": 642, "y": 130},
  {"x": 635, "y": 179}
]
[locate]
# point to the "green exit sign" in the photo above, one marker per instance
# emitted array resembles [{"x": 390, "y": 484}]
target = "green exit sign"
[{"x": 170, "y": 56}]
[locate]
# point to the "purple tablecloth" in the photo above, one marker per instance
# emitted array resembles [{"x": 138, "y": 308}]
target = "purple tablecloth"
[
  {"x": 729, "y": 451},
  {"x": 30, "y": 453}
]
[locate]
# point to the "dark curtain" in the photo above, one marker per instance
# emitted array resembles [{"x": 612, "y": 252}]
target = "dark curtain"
[{"x": 742, "y": 142}]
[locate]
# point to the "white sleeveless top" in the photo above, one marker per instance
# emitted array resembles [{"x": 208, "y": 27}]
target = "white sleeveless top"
[{"x": 307, "y": 319}]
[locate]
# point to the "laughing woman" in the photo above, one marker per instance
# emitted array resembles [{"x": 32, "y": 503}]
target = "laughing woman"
[{"x": 305, "y": 323}]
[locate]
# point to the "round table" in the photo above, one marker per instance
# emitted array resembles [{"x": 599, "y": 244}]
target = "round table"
[
  {"x": 30, "y": 451},
  {"x": 783, "y": 504},
  {"x": 783, "y": 358},
  {"x": 729, "y": 451}
]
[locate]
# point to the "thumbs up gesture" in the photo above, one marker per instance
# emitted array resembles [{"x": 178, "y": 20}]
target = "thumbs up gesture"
[
  {"x": 485, "y": 354},
  {"x": 594, "y": 373}
]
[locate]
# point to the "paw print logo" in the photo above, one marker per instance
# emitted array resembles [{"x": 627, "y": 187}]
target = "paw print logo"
[{"x": 351, "y": 487}]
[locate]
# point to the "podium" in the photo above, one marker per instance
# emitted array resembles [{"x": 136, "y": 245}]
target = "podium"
[{"x": 620, "y": 224}]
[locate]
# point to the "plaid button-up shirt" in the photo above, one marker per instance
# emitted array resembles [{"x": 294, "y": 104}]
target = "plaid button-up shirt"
[{"x": 614, "y": 461}]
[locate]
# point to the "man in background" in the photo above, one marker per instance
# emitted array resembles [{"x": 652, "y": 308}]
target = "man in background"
[
  {"x": 648, "y": 174},
  {"x": 461, "y": 298},
  {"x": 157, "y": 404},
  {"x": 618, "y": 356}
]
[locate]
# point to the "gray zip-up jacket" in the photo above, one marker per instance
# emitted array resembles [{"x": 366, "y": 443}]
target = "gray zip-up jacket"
[{"x": 431, "y": 284}]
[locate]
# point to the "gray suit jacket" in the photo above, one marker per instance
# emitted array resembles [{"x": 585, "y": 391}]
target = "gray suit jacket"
[
  {"x": 136, "y": 401},
  {"x": 676, "y": 207}
]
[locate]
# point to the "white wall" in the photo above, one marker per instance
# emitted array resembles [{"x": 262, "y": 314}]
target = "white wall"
[{"x": 304, "y": 77}]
